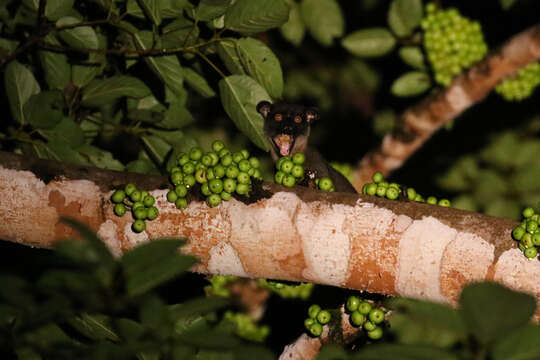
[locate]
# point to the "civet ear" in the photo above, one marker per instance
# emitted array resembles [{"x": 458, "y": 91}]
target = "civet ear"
[
  {"x": 263, "y": 108},
  {"x": 311, "y": 115}
]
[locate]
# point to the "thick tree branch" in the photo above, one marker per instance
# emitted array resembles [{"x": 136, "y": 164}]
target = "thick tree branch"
[
  {"x": 346, "y": 240},
  {"x": 418, "y": 123}
]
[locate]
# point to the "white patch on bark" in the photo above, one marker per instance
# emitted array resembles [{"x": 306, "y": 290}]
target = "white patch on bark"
[
  {"x": 225, "y": 260},
  {"x": 517, "y": 272},
  {"x": 471, "y": 255},
  {"x": 458, "y": 98},
  {"x": 420, "y": 251},
  {"x": 107, "y": 233}
]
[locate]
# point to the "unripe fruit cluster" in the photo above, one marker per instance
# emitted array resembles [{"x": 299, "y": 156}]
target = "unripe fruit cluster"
[
  {"x": 220, "y": 173},
  {"x": 140, "y": 202},
  {"x": 380, "y": 187},
  {"x": 290, "y": 171},
  {"x": 452, "y": 42},
  {"x": 317, "y": 317},
  {"x": 521, "y": 85},
  {"x": 287, "y": 291},
  {"x": 364, "y": 314},
  {"x": 528, "y": 233}
]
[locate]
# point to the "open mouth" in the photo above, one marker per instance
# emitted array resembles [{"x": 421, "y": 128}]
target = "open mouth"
[{"x": 284, "y": 144}]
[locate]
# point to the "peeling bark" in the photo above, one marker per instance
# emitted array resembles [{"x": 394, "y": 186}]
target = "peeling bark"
[{"x": 418, "y": 123}]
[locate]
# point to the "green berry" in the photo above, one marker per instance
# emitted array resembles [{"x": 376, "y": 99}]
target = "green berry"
[
  {"x": 376, "y": 333},
  {"x": 352, "y": 303},
  {"x": 152, "y": 213},
  {"x": 177, "y": 178},
  {"x": 218, "y": 145},
  {"x": 213, "y": 200},
  {"x": 325, "y": 184},
  {"x": 219, "y": 171},
  {"x": 281, "y": 160},
  {"x": 257, "y": 174},
  {"x": 377, "y": 177},
  {"x": 526, "y": 241},
  {"x": 243, "y": 178},
  {"x": 226, "y": 160},
  {"x": 138, "y": 226},
  {"x": 287, "y": 166},
  {"x": 532, "y": 226},
  {"x": 297, "y": 171},
  {"x": 205, "y": 190},
  {"x": 171, "y": 196},
  {"x": 444, "y": 202},
  {"x": 298, "y": 158},
  {"x": 224, "y": 152},
  {"x": 216, "y": 186},
  {"x": 237, "y": 157},
  {"x": 536, "y": 238},
  {"x": 144, "y": 194},
  {"x": 324, "y": 316},
  {"x": 136, "y": 204},
  {"x": 206, "y": 160},
  {"x": 118, "y": 196},
  {"x": 119, "y": 209},
  {"x": 181, "y": 190},
  {"x": 229, "y": 185},
  {"x": 149, "y": 201},
  {"x": 182, "y": 159},
  {"x": 181, "y": 203},
  {"x": 431, "y": 200},
  {"x": 210, "y": 174},
  {"x": 232, "y": 172},
  {"x": 225, "y": 196},
  {"x": 278, "y": 177},
  {"x": 308, "y": 322},
  {"x": 175, "y": 169},
  {"x": 245, "y": 153},
  {"x": 188, "y": 168},
  {"x": 376, "y": 316},
  {"x": 356, "y": 318},
  {"x": 364, "y": 307},
  {"x": 316, "y": 329},
  {"x": 369, "y": 326},
  {"x": 289, "y": 180},
  {"x": 136, "y": 196},
  {"x": 140, "y": 213},
  {"x": 195, "y": 153},
  {"x": 189, "y": 180},
  {"x": 381, "y": 191},
  {"x": 518, "y": 233},
  {"x": 242, "y": 189},
  {"x": 254, "y": 162},
  {"x": 244, "y": 165},
  {"x": 392, "y": 193},
  {"x": 531, "y": 253},
  {"x": 129, "y": 188},
  {"x": 371, "y": 189},
  {"x": 200, "y": 176},
  {"x": 313, "y": 311}
]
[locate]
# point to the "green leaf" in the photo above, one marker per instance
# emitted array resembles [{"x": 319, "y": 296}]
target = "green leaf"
[
  {"x": 331, "y": 352},
  {"x": 294, "y": 29},
  {"x": 413, "y": 56},
  {"x": 83, "y": 74},
  {"x": 56, "y": 9},
  {"x": 152, "y": 264},
  {"x": 420, "y": 322},
  {"x": 88, "y": 235},
  {"x": 129, "y": 329},
  {"x": 100, "y": 158},
  {"x": 240, "y": 95},
  {"x": 171, "y": 137},
  {"x": 198, "y": 307},
  {"x": 485, "y": 310},
  {"x": 152, "y": 9},
  {"x": 171, "y": 9},
  {"x": 404, "y": 16},
  {"x": 179, "y": 33},
  {"x": 402, "y": 352},
  {"x": 156, "y": 147},
  {"x": 521, "y": 344},
  {"x": 411, "y": 84},
  {"x": 229, "y": 55},
  {"x": 141, "y": 166},
  {"x": 250, "y": 17},
  {"x": 507, "y": 4},
  {"x": 7, "y": 46},
  {"x": 55, "y": 66},
  {"x": 20, "y": 85},
  {"x": 324, "y": 20},
  {"x": 45, "y": 109},
  {"x": 166, "y": 68},
  {"x": 96, "y": 327},
  {"x": 211, "y": 9},
  {"x": 526, "y": 179},
  {"x": 66, "y": 131},
  {"x": 371, "y": 42},
  {"x": 198, "y": 83},
  {"x": 104, "y": 91},
  {"x": 176, "y": 117},
  {"x": 261, "y": 64},
  {"x": 58, "y": 150},
  {"x": 83, "y": 37}
]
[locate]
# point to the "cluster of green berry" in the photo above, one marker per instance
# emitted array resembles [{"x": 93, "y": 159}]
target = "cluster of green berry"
[
  {"x": 246, "y": 328},
  {"x": 382, "y": 188},
  {"x": 290, "y": 171},
  {"x": 219, "y": 173},
  {"x": 528, "y": 233},
  {"x": 317, "y": 318},
  {"x": 452, "y": 42},
  {"x": 217, "y": 285},
  {"x": 521, "y": 85},
  {"x": 362, "y": 313},
  {"x": 286, "y": 291},
  {"x": 140, "y": 202}
]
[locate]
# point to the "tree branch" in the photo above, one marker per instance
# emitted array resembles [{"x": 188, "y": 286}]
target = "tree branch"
[{"x": 418, "y": 123}]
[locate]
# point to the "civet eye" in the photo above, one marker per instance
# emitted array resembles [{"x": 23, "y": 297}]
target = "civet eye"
[
  {"x": 278, "y": 117},
  {"x": 298, "y": 119}
]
